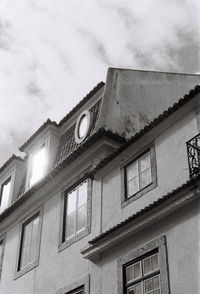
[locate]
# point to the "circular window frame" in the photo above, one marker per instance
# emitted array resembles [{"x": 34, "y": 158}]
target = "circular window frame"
[{"x": 88, "y": 116}]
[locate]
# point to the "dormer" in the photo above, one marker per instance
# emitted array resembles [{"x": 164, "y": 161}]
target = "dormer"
[
  {"x": 11, "y": 176},
  {"x": 41, "y": 149}
]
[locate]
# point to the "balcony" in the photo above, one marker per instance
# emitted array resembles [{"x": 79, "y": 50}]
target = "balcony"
[{"x": 193, "y": 150}]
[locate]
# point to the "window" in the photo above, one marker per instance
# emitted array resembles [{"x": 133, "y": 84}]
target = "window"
[
  {"x": 1, "y": 254},
  {"x": 76, "y": 213},
  {"x": 144, "y": 271},
  {"x": 80, "y": 286},
  {"x": 38, "y": 164},
  {"x": 138, "y": 176},
  {"x": 5, "y": 193},
  {"x": 143, "y": 276},
  {"x": 29, "y": 244},
  {"x": 77, "y": 291},
  {"x": 82, "y": 126}
]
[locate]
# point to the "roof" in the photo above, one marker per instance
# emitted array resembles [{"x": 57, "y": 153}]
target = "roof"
[
  {"x": 70, "y": 114},
  {"x": 89, "y": 141},
  {"x": 12, "y": 158},
  {"x": 192, "y": 183},
  {"x": 82, "y": 102},
  {"x": 176, "y": 106},
  {"x": 67, "y": 142}
]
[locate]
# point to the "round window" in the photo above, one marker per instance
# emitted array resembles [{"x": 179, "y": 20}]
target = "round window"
[{"x": 82, "y": 126}]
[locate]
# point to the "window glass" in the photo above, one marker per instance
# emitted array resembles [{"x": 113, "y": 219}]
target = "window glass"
[
  {"x": 143, "y": 276},
  {"x": 76, "y": 210},
  {"x": 30, "y": 234},
  {"x": 83, "y": 125},
  {"x": 5, "y": 194},
  {"x": 38, "y": 166},
  {"x": 138, "y": 175}
]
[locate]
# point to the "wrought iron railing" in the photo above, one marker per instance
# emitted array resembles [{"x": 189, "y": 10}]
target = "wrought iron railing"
[{"x": 193, "y": 149}]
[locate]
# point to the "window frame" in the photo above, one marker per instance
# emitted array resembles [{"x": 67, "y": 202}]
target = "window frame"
[
  {"x": 157, "y": 245},
  {"x": 2, "y": 242},
  {"x": 63, "y": 242},
  {"x": 76, "y": 285},
  {"x": 123, "y": 171},
  {"x": 19, "y": 272}
]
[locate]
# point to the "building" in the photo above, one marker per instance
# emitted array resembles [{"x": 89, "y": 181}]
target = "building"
[{"x": 107, "y": 200}]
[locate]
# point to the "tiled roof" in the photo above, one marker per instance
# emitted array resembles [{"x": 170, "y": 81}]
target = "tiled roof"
[
  {"x": 149, "y": 127},
  {"x": 192, "y": 183},
  {"x": 82, "y": 102},
  {"x": 89, "y": 141},
  {"x": 49, "y": 122},
  {"x": 45, "y": 124},
  {"x": 68, "y": 144},
  {"x": 57, "y": 169},
  {"x": 13, "y": 157}
]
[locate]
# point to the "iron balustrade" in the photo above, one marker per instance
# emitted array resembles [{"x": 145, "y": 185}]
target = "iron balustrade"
[{"x": 193, "y": 150}]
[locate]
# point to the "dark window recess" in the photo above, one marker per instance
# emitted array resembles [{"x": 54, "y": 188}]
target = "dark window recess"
[
  {"x": 77, "y": 291},
  {"x": 193, "y": 151}
]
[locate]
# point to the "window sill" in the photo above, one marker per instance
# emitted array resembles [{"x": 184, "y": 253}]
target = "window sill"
[
  {"x": 74, "y": 239},
  {"x": 26, "y": 269},
  {"x": 127, "y": 201}
]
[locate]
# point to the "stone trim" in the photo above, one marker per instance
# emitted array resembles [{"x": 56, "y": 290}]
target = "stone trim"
[
  {"x": 159, "y": 244},
  {"x": 84, "y": 281},
  {"x": 2, "y": 242},
  {"x": 125, "y": 201}
]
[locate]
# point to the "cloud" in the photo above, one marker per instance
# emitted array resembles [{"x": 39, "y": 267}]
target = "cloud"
[{"x": 53, "y": 52}]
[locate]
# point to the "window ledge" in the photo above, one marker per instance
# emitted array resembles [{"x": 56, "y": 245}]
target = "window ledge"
[
  {"x": 127, "y": 201},
  {"x": 26, "y": 269},
  {"x": 74, "y": 239}
]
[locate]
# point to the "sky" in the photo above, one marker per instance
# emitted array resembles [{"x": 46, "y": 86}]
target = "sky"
[{"x": 52, "y": 53}]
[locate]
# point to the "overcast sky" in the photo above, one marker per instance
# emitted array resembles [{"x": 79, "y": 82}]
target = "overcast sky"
[{"x": 53, "y": 52}]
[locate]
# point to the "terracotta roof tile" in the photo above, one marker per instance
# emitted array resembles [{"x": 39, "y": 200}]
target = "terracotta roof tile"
[{"x": 190, "y": 183}]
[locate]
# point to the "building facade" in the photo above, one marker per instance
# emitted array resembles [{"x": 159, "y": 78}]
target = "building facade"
[{"x": 107, "y": 200}]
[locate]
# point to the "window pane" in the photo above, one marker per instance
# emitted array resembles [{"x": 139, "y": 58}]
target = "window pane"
[
  {"x": 38, "y": 166},
  {"x": 34, "y": 240},
  {"x": 156, "y": 282},
  {"x": 154, "y": 262},
  {"x": 132, "y": 171},
  {"x": 145, "y": 162},
  {"x": 70, "y": 228},
  {"x": 133, "y": 272},
  {"x": 83, "y": 126},
  {"x": 25, "y": 256},
  {"x": 5, "y": 193},
  {"x": 71, "y": 202},
  {"x": 145, "y": 178},
  {"x": 82, "y": 194},
  {"x": 27, "y": 234},
  {"x": 81, "y": 218},
  {"x": 133, "y": 187},
  {"x": 136, "y": 289},
  {"x": 148, "y": 286},
  {"x": 147, "y": 265}
]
